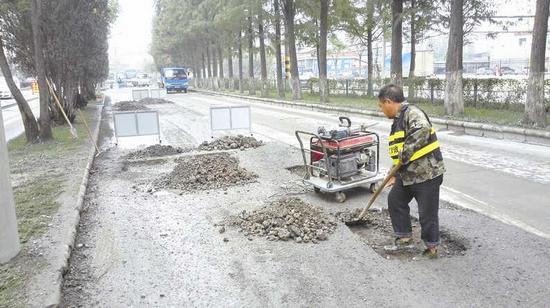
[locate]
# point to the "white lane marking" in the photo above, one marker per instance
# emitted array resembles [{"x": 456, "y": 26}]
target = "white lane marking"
[{"x": 461, "y": 199}]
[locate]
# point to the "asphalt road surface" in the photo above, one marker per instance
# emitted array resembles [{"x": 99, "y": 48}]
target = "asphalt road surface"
[
  {"x": 13, "y": 125},
  {"x": 506, "y": 180},
  {"x": 162, "y": 249}
]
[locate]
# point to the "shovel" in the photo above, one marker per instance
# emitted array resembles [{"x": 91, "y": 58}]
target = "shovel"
[{"x": 361, "y": 219}]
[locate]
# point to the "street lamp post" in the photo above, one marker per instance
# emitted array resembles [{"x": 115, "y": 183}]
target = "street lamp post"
[{"x": 9, "y": 237}]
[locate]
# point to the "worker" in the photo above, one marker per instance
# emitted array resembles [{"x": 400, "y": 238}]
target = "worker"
[{"x": 412, "y": 142}]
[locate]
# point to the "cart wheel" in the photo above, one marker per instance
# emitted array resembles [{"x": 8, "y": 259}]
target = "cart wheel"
[
  {"x": 340, "y": 197},
  {"x": 373, "y": 187},
  {"x": 317, "y": 190}
]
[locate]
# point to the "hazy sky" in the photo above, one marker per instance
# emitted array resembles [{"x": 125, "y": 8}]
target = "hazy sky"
[{"x": 131, "y": 34}]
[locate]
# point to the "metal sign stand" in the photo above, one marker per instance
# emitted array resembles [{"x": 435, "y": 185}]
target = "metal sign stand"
[
  {"x": 134, "y": 126},
  {"x": 229, "y": 118}
]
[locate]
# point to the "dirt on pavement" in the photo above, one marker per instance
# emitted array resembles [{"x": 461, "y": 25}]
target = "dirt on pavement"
[
  {"x": 130, "y": 106},
  {"x": 378, "y": 232},
  {"x": 206, "y": 171},
  {"x": 231, "y": 143},
  {"x": 285, "y": 219},
  {"x": 154, "y": 101},
  {"x": 156, "y": 150}
]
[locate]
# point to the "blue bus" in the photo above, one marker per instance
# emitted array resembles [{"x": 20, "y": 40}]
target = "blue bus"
[{"x": 174, "y": 79}]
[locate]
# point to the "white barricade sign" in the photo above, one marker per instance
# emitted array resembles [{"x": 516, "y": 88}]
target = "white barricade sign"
[
  {"x": 157, "y": 93},
  {"x": 140, "y": 94},
  {"x": 230, "y": 118},
  {"x": 138, "y": 123}
]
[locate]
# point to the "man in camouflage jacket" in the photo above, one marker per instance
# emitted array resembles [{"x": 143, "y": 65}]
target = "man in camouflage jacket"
[{"x": 412, "y": 142}]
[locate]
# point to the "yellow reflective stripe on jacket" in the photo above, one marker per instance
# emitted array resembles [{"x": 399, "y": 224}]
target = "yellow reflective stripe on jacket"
[
  {"x": 401, "y": 134},
  {"x": 425, "y": 150},
  {"x": 396, "y": 148},
  {"x": 396, "y": 135}
]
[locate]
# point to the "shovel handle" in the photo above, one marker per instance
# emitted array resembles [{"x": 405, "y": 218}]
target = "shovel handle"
[{"x": 392, "y": 172}]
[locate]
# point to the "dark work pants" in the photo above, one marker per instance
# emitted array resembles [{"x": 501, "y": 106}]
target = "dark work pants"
[{"x": 427, "y": 197}]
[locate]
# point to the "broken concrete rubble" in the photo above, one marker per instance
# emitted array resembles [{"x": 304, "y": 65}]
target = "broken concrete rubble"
[
  {"x": 231, "y": 143},
  {"x": 286, "y": 219},
  {"x": 206, "y": 171}
]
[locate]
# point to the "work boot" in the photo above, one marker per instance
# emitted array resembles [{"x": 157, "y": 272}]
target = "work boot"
[
  {"x": 428, "y": 254},
  {"x": 400, "y": 244}
]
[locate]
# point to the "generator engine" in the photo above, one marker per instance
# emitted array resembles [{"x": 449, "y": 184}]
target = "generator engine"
[
  {"x": 349, "y": 155},
  {"x": 349, "y": 164}
]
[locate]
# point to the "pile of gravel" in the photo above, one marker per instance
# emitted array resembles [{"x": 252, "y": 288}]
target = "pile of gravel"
[
  {"x": 286, "y": 219},
  {"x": 154, "y": 101},
  {"x": 230, "y": 143},
  {"x": 130, "y": 106},
  {"x": 351, "y": 215},
  {"x": 207, "y": 171},
  {"x": 156, "y": 150}
]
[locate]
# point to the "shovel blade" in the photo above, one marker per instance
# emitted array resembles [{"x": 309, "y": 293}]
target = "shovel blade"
[{"x": 358, "y": 222}]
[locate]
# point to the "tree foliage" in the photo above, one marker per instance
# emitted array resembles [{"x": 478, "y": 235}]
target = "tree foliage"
[
  {"x": 75, "y": 34},
  {"x": 188, "y": 32}
]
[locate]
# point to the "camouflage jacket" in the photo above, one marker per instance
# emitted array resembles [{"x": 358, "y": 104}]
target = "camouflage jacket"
[{"x": 417, "y": 128}]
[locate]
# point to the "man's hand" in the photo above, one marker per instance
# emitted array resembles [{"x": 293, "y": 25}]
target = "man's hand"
[{"x": 390, "y": 182}]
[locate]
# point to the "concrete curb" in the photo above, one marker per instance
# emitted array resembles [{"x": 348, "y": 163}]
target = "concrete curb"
[
  {"x": 470, "y": 128},
  {"x": 68, "y": 244}
]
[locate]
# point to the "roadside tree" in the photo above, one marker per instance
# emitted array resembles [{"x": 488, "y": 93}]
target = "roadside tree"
[{"x": 535, "y": 113}]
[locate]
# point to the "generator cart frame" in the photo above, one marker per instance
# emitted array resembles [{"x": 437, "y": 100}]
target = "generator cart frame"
[{"x": 332, "y": 182}]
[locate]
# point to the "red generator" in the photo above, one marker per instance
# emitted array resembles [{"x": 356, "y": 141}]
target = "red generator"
[{"x": 341, "y": 159}]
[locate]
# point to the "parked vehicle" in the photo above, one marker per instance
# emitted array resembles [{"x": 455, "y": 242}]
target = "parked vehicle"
[
  {"x": 174, "y": 79},
  {"x": 505, "y": 70},
  {"x": 485, "y": 71},
  {"x": 5, "y": 92},
  {"x": 27, "y": 82},
  {"x": 143, "y": 80}
]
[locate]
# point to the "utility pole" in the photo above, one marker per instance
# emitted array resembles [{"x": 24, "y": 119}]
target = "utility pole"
[{"x": 9, "y": 237}]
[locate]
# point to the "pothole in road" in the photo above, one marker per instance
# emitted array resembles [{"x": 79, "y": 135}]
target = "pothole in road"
[
  {"x": 286, "y": 219},
  {"x": 129, "y": 106},
  {"x": 231, "y": 143},
  {"x": 155, "y": 101},
  {"x": 156, "y": 150},
  {"x": 378, "y": 232},
  {"x": 206, "y": 171}
]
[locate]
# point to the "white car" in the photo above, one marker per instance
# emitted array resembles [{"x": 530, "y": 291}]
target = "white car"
[{"x": 5, "y": 92}]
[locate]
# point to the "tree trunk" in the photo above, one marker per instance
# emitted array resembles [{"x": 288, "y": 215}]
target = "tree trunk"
[
  {"x": 454, "y": 99},
  {"x": 29, "y": 121},
  {"x": 203, "y": 79},
  {"x": 241, "y": 88},
  {"x": 278, "y": 56},
  {"x": 230, "y": 69},
  {"x": 322, "y": 52},
  {"x": 251, "y": 85},
  {"x": 412, "y": 66},
  {"x": 370, "y": 29},
  {"x": 534, "y": 106},
  {"x": 220, "y": 53},
  {"x": 397, "y": 41},
  {"x": 370, "y": 64},
  {"x": 289, "y": 12},
  {"x": 215, "y": 80},
  {"x": 263, "y": 64},
  {"x": 40, "y": 66},
  {"x": 209, "y": 67}
]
